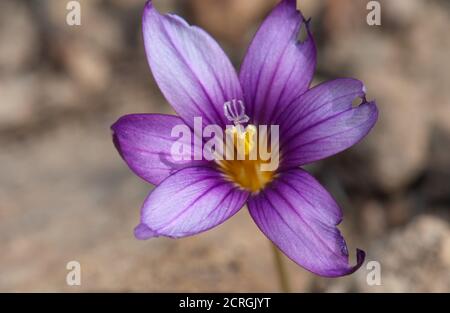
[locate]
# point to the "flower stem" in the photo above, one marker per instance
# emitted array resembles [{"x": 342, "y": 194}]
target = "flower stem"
[{"x": 281, "y": 269}]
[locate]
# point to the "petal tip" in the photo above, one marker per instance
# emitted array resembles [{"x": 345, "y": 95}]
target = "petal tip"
[
  {"x": 364, "y": 89},
  {"x": 148, "y": 4},
  {"x": 360, "y": 258},
  {"x": 119, "y": 123},
  {"x": 374, "y": 112},
  {"x": 116, "y": 143},
  {"x": 115, "y": 126},
  {"x": 149, "y": 9},
  {"x": 115, "y": 130},
  {"x": 292, "y": 3},
  {"x": 143, "y": 232}
]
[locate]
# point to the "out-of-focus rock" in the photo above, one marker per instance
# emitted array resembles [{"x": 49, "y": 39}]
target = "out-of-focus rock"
[
  {"x": 396, "y": 151},
  {"x": 445, "y": 252},
  {"x": 127, "y": 96},
  {"x": 19, "y": 36},
  {"x": 400, "y": 209},
  {"x": 98, "y": 27},
  {"x": 414, "y": 95},
  {"x": 374, "y": 219},
  {"x": 165, "y": 6},
  {"x": 395, "y": 154},
  {"x": 87, "y": 52},
  {"x": 400, "y": 142},
  {"x": 234, "y": 22},
  {"x": 87, "y": 65},
  {"x": 340, "y": 16},
  {"x": 442, "y": 113},
  {"x": 229, "y": 20},
  {"x": 436, "y": 182},
  {"x": 310, "y": 8},
  {"x": 403, "y": 12},
  {"x": 59, "y": 92},
  {"x": 429, "y": 46},
  {"x": 18, "y": 99},
  {"x": 413, "y": 259}
]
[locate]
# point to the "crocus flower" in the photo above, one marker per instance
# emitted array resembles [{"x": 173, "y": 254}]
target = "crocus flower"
[{"x": 289, "y": 206}]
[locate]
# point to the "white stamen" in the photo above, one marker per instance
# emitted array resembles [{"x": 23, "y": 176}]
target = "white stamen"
[{"x": 235, "y": 112}]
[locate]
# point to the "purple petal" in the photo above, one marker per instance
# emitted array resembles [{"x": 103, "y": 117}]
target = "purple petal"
[
  {"x": 324, "y": 122},
  {"x": 191, "y": 201},
  {"x": 299, "y": 216},
  {"x": 144, "y": 141},
  {"x": 277, "y": 68},
  {"x": 191, "y": 69}
]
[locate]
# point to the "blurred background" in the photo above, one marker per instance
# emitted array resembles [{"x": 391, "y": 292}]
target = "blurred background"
[{"x": 66, "y": 195}]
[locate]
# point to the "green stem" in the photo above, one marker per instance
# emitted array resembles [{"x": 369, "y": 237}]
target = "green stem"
[{"x": 281, "y": 269}]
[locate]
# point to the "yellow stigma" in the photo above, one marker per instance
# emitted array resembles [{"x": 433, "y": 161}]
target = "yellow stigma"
[
  {"x": 245, "y": 171},
  {"x": 245, "y": 138}
]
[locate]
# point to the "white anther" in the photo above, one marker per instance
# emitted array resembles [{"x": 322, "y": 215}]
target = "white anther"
[{"x": 235, "y": 112}]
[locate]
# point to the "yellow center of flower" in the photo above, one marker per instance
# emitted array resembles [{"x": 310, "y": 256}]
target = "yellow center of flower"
[{"x": 245, "y": 169}]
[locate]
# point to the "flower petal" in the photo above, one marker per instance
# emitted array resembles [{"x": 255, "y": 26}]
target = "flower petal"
[
  {"x": 145, "y": 143},
  {"x": 324, "y": 122},
  {"x": 191, "y": 69},
  {"x": 191, "y": 201},
  {"x": 277, "y": 68},
  {"x": 300, "y": 217}
]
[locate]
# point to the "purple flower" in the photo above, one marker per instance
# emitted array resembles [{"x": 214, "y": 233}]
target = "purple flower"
[{"x": 289, "y": 206}]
